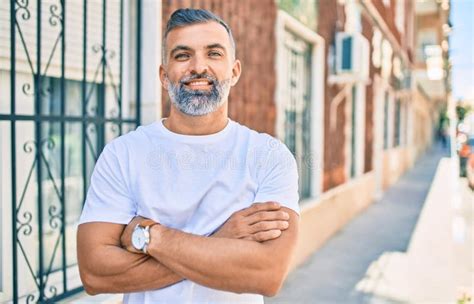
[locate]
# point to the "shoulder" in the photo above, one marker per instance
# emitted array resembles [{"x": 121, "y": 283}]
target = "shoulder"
[
  {"x": 259, "y": 140},
  {"x": 266, "y": 151},
  {"x": 122, "y": 144}
]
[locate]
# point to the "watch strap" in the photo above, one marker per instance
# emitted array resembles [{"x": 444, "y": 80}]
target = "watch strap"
[{"x": 147, "y": 223}]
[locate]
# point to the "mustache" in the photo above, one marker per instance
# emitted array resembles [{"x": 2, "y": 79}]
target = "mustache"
[{"x": 210, "y": 78}]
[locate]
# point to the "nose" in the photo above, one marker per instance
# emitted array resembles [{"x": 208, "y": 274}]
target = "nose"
[{"x": 198, "y": 65}]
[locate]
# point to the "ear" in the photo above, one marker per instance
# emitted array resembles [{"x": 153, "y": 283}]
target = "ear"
[
  {"x": 163, "y": 78},
  {"x": 236, "y": 71}
]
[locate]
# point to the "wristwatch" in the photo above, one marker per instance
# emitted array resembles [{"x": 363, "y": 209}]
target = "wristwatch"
[{"x": 141, "y": 235}]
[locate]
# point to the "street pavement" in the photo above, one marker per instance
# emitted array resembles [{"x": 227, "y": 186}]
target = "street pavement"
[{"x": 414, "y": 245}]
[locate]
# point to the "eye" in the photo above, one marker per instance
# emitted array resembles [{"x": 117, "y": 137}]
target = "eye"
[
  {"x": 181, "y": 56},
  {"x": 215, "y": 54}
]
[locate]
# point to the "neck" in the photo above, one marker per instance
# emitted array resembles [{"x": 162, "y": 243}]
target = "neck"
[{"x": 211, "y": 123}]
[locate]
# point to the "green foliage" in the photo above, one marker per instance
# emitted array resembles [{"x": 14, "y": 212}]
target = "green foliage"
[
  {"x": 306, "y": 11},
  {"x": 462, "y": 111}
]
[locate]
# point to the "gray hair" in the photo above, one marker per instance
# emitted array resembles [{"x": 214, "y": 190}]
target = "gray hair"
[{"x": 188, "y": 16}]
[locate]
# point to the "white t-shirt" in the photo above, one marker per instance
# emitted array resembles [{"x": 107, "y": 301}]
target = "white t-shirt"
[{"x": 190, "y": 183}]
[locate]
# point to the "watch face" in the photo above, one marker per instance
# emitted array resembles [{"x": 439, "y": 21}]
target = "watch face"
[{"x": 138, "y": 238}]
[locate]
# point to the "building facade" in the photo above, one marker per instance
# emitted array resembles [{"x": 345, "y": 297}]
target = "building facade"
[{"x": 344, "y": 84}]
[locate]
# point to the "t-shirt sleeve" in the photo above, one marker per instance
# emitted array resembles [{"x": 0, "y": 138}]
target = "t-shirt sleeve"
[
  {"x": 109, "y": 198},
  {"x": 278, "y": 178}
]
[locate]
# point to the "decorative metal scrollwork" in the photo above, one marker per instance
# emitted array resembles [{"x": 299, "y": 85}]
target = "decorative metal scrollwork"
[
  {"x": 31, "y": 298},
  {"x": 110, "y": 54},
  {"x": 91, "y": 128},
  {"x": 29, "y": 146},
  {"x": 53, "y": 292},
  {"x": 113, "y": 113},
  {"x": 27, "y": 90},
  {"x": 55, "y": 216},
  {"x": 114, "y": 128},
  {"x": 23, "y": 9},
  {"x": 25, "y": 225},
  {"x": 106, "y": 53},
  {"x": 92, "y": 110},
  {"x": 96, "y": 48},
  {"x": 38, "y": 204},
  {"x": 48, "y": 143},
  {"x": 55, "y": 17}
]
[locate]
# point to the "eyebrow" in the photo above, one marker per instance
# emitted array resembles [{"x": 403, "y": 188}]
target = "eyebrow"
[
  {"x": 187, "y": 48},
  {"x": 216, "y": 46}
]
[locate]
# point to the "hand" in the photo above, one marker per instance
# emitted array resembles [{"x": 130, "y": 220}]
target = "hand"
[
  {"x": 260, "y": 222},
  {"x": 126, "y": 237}
]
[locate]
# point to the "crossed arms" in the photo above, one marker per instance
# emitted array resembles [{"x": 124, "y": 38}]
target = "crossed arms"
[{"x": 250, "y": 253}]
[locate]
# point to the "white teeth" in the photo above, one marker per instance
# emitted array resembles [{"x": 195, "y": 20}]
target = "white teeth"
[{"x": 198, "y": 83}]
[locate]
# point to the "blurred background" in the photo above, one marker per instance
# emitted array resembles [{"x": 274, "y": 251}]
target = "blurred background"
[{"x": 375, "y": 99}]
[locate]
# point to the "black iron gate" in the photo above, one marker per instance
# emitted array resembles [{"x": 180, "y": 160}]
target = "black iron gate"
[{"x": 61, "y": 113}]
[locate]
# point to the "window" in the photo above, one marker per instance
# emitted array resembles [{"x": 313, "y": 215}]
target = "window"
[
  {"x": 298, "y": 108},
  {"x": 353, "y": 132},
  {"x": 356, "y": 138},
  {"x": 397, "y": 129},
  {"x": 300, "y": 99},
  {"x": 385, "y": 122},
  {"x": 425, "y": 38},
  {"x": 51, "y": 101},
  {"x": 51, "y": 152}
]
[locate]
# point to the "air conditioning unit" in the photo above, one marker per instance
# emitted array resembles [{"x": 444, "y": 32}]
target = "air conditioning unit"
[{"x": 352, "y": 57}]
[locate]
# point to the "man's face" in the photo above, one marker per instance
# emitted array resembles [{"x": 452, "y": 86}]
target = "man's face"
[{"x": 200, "y": 68}]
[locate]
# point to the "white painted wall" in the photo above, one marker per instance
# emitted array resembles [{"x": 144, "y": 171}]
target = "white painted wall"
[{"x": 151, "y": 60}]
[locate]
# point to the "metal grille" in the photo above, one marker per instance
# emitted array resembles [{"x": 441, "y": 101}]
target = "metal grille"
[
  {"x": 298, "y": 107},
  {"x": 398, "y": 125},
  {"x": 64, "y": 95},
  {"x": 353, "y": 131}
]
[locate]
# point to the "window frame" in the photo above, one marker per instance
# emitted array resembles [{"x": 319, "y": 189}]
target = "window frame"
[{"x": 286, "y": 22}]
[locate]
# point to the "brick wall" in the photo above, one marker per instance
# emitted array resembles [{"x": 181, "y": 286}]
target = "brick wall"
[
  {"x": 334, "y": 138},
  {"x": 368, "y": 32},
  {"x": 409, "y": 29},
  {"x": 251, "y": 101},
  {"x": 388, "y": 15}
]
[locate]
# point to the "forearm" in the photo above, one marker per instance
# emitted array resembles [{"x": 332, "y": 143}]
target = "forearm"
[
  {"x": 105, "y": 267},
  {"x": 122, "y": 272},
  {"x": 228, "y": 264}
]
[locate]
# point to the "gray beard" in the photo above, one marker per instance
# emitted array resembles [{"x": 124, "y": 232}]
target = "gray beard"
[{"x": 198, "y": 102}]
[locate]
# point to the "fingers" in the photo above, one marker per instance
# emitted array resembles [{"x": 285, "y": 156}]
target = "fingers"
[
  {"x": 267, "y": 216},
  {"x": 264, "y": 235},
  {"x": 257, "y": 207},
  {"x": 268, "y": 225}
]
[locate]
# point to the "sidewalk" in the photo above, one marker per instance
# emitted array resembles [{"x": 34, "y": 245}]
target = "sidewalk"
[{"x": 412, "y": 246}]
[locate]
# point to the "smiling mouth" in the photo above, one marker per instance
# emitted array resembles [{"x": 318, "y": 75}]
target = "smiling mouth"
[{"x": 198, "y": 83}]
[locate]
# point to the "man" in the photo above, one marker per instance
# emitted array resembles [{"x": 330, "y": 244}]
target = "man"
[{"x": 194, "y": 208}]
